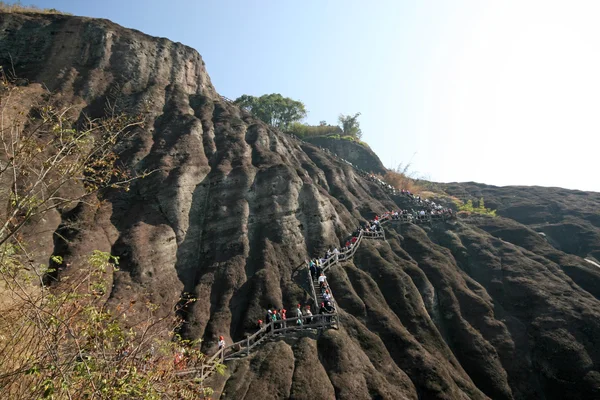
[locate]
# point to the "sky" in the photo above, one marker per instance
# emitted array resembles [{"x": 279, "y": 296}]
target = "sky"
[{"x": 499, "y": 92}]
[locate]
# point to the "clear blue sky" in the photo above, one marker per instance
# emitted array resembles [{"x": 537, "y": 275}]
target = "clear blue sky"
[{"x": 499, "y": 92}]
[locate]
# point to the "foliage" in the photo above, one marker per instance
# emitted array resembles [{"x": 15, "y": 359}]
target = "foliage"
[
  {"x": 402, "y": 178},
  {"x": 350, "y": 125},
  {"x": 63, "y": 342},
  {"x": 19, "y": 8},
  {"x": 48, "y": 162},
  {"x": 307, "y": 131},
  {"x": 59, "y": 344},
  {"x": 273, "y": 109},
  {"x": 480, "y": 209}
]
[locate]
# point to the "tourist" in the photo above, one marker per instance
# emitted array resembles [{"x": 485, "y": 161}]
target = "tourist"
[
  {"x": 308, "y": 313},
  {"x": 275, "y": 317},
  {"x": 313, "y": 268},
  {"x": 221, "y": 342},
  {"x": 322, "y": 280},
  {"x": 322, "y": 310},
  {"x": 269, "y": 316},
  {"x": 283, "y": 317},
  {"x": 298, "y": 315},
  {"x": 329, "y": 307}
]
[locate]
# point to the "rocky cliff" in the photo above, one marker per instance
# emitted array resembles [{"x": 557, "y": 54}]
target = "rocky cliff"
[
  {"x": 358, "y": 154},
  {"x": 468, "y": 309}
]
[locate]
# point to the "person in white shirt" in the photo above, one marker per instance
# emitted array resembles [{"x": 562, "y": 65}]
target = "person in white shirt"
[{"x": 322, "y": 279}]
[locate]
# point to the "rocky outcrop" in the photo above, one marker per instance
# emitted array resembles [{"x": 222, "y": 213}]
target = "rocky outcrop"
[
  {"x": 473, "y": 309},
  {"x": 358, "y": 154}
]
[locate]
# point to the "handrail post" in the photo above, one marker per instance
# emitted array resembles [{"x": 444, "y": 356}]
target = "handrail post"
[
  {"x": 247, "y": 345},
  {"x": 314, "y": 293}
]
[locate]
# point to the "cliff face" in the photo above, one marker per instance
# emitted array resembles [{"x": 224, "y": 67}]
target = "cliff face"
[
  {"x": 569, "y": 219},
  {"x": 453, "y": 310},
  {"x": 359, "y": 155}
]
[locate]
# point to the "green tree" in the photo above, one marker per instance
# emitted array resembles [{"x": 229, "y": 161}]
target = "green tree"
[
  {"x": 350, "y": 125},
  {"x": 274, "y": 109},
  {"x": 480, "y": 209}
]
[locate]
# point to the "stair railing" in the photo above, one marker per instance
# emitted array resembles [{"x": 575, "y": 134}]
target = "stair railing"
[{"x": 312, "y": 285}]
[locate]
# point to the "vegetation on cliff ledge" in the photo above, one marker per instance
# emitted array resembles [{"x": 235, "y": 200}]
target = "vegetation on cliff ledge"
[{"x": 17, "y": 7}]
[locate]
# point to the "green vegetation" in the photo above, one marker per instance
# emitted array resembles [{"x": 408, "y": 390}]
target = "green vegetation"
[
  {"x": 480, "y": 209},
  {"x": 286, "y": 114},
  {"x": 307, "y": 131},
  {"x": 350, "y": 125},
  {"x": 273, "y": 109},
  {"x": 17, "y": 7},
  {"x": 61, "y": 341}
]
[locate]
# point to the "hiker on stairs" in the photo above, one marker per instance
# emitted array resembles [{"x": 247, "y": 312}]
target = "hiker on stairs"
[
  {"x": 313, "y": 268},
  {"x": 323, "y": 311},
  {"x": 308, "y": 313},
  {"x": 322, "y": 280},
  {"x": 299, "y": 315},
  {"x": 275, "y": 318}
]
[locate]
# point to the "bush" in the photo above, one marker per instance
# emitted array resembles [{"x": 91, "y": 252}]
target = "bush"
[
  {"x": 401, "y": 178},
  {"x": 17, "y": 7},
  {"x": 65, "y": 343},
  {"x": 62, "y": 341},
  {"x": 307, "y": 131},
  {"x": 480, "y": 209}
]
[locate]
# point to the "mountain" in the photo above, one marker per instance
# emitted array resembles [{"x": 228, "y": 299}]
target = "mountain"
[{"x": 471, "y": 308}]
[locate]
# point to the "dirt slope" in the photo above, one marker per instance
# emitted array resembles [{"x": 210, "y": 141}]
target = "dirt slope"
[{"x": 471, "y": 309}]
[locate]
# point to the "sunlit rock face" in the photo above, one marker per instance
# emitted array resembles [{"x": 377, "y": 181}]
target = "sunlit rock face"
[
  {"x": 357, "y": 154},
  {"x": 468, "y": 309}
]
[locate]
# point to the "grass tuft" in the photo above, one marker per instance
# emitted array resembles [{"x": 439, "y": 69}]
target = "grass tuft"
[{"x": 17, "y": 7}]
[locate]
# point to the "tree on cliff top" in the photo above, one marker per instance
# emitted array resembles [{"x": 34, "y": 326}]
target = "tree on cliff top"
[
  {"x": 273, "y": 109},
  {"x": 350, "y": 125}
]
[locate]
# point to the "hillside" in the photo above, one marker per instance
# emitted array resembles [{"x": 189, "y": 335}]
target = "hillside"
[{"x": 469, "y": 308}]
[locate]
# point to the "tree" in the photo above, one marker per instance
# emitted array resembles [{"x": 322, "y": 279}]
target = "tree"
[
  {"x": 273, "y": 109},
  {"x": 350, "y": 125},
  {"x": 62, "y": 341}
]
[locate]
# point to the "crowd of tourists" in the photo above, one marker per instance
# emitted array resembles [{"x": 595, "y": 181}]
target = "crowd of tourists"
[{"x": 384, "y": 185}]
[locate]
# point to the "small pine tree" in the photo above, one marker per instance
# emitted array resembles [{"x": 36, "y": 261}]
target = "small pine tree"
[
  {"x": 469, "y": 206},
  {"x": 481, "y": 206}
]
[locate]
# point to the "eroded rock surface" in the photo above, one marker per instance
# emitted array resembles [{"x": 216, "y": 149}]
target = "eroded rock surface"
[
  {"x": 358, "y": 154},
  {"x": 471, "y": 309}
]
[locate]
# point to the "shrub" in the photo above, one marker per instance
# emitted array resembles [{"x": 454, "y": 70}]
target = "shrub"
[
  {"x": 17, "y": 7},
  {"x": 62, "y": 341},
  {"x": 480, "y": 209},
  {"x": 65, "y": 343},
  {"x": 307, "y": 131},
  {"x": 402, "y": 178}
]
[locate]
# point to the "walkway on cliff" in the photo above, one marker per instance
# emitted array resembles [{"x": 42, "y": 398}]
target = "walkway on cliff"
[{"x": 288, "y": 328}]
